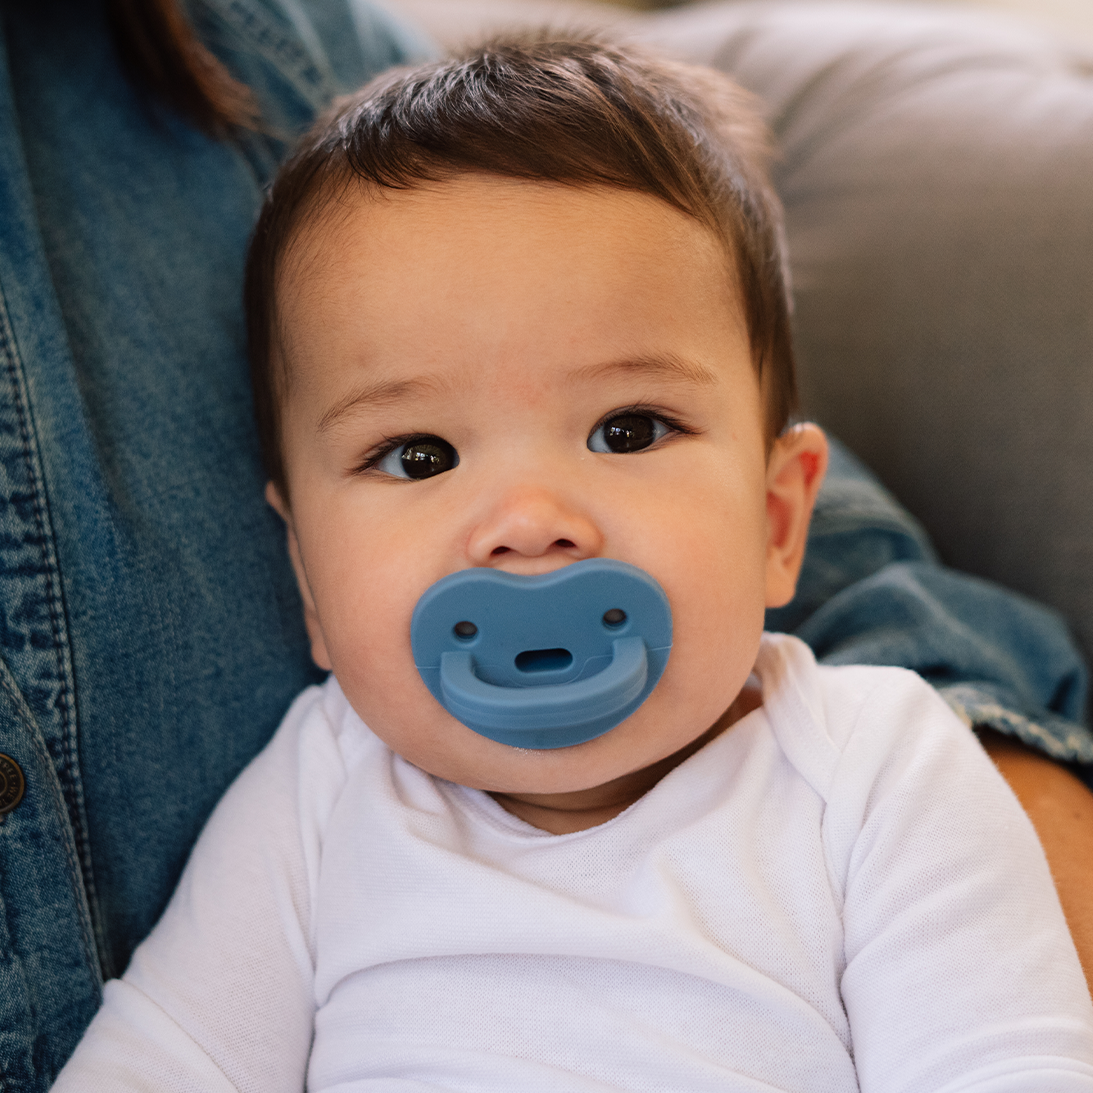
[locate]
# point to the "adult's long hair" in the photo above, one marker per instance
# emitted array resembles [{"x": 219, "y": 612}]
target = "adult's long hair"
[{"x": 162, "y": 54}]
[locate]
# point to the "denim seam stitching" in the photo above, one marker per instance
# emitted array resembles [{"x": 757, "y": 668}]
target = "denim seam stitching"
[{"x": 56, "y": 614}]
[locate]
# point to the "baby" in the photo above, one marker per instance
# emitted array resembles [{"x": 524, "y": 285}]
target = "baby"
[{"x": 508, "y": 313}]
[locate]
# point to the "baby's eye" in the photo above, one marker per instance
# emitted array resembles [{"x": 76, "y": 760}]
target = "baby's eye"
[
  {"x": 629, "y": 432},
  {"x": 420, "y": 457}
]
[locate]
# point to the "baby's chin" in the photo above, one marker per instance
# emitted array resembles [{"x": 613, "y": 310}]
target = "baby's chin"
[
  {"x": 631, "y": 747},
  {"x": 502, "y": 768}
]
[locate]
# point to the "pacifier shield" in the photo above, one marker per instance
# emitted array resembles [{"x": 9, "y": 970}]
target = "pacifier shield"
[{"x": 547, "y": 661}]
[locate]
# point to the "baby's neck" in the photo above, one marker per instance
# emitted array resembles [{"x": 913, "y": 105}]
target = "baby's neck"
[{"x": 561, "y": 813}]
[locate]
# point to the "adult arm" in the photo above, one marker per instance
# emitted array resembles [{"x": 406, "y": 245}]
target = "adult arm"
[{"x": 1061, "y": 809}]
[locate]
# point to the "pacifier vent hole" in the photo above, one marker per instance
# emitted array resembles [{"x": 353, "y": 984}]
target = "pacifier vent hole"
[
  {"x": 543, "y": 660},
  {"x": 614, "y": 618},
  {"x": 465, "y": 630}
]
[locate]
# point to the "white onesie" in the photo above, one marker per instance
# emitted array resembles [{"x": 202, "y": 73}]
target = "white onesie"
[{"x": 839, "y": 892}]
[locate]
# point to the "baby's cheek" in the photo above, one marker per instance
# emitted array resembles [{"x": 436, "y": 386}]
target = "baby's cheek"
[
  {"x": 389, "y": 698},
  {"x": 717, "y": 623}
]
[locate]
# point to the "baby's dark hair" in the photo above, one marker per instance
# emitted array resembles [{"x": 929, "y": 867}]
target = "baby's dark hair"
[{"x": 576, "y": 112}]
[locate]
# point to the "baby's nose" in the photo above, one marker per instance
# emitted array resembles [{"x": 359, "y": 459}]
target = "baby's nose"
[{"x": 534, "y": 523}]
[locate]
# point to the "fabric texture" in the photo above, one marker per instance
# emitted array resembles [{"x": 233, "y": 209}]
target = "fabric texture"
[{"x": 815, "y": 901}]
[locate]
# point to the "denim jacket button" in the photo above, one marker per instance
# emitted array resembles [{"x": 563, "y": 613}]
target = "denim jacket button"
[{"x": 12, "y": 784}]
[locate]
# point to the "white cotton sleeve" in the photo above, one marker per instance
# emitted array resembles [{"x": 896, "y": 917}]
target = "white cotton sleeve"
[
  {"x": 960, "y": 972},
  {"x": 220, "y": 996}
]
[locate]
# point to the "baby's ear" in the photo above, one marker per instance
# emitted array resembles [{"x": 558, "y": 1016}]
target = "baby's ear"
[
  {"x": 311, "y": 616},
  {"x": 795, "y": 470}
]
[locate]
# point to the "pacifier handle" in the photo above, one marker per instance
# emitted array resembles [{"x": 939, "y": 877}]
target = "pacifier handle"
[{"x": 576, "y": 706}]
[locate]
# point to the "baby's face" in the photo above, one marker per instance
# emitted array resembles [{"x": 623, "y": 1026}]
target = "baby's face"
[{"x": 521, "y": 375}]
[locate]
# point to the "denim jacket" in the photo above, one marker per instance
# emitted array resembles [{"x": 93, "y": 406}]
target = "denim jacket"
[{"x": 150, "y": 631}]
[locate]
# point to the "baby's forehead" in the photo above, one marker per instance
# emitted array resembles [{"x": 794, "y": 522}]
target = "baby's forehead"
[
  {"x": 481, "y": 204},
  {"x": 595, "y": 288},
  {"x": 478, "y": 221}
]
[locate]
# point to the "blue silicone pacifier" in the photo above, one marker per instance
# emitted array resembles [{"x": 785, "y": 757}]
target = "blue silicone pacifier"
[{"x": 547, "y": 661}]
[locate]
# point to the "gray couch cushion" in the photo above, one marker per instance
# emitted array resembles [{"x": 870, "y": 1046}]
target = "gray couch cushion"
[{"x": 938, "y": 177}]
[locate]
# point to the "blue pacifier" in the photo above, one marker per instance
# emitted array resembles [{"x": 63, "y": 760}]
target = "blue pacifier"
[{"x": 547, "y": 661}]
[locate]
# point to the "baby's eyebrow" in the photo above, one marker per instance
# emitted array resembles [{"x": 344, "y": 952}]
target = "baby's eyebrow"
[
  {"x": 657, "y": 364},
  {"x": 388, "y": 392},
  {"x": 379, "y": 393}
]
